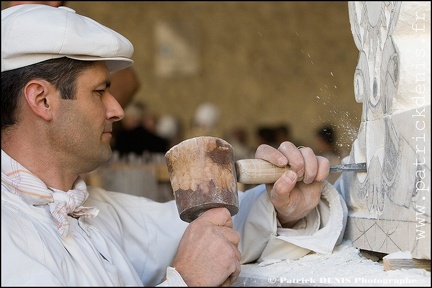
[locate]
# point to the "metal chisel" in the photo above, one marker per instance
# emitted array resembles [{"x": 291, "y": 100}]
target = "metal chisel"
[
  {"x": 357, "y": 167},
  {"x": 257, "y": 171}
]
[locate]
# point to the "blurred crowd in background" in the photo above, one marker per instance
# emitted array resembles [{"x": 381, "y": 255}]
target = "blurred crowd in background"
[{"x": 144, "y": 131}]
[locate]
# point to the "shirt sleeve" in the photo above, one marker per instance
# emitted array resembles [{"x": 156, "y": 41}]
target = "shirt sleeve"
[
  {"x": 148, "y": 231},
  {"x": 173, "y": 279},
  {"x": 264, "y": 239}
]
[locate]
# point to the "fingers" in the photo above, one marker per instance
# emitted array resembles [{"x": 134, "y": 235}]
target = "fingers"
[
  {"x": 221, "y": 218},
  {"x": 294, "y": 156},
  {"x": 302, "y": 161},
  {"x": 235, "y": 267},
  {"x": 233, "y": 277},
  {"x": 233, "y": 237},
  {"x": 310, "y": 163},
  {"x": 208, "y": 252},
  {"x": 217, "y": 216},
  {"x": 283, "y": 186},
  {"x": 323, "y": 168},
  {"x": 305, "y": 163},
  {"x": 272, "y": 155}
]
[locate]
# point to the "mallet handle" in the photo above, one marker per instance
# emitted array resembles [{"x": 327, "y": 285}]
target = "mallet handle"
[{"x": 258, "y": 171}]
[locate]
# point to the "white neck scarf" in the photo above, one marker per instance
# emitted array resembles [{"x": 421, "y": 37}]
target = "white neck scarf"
[{"x": 32, "y": 190}]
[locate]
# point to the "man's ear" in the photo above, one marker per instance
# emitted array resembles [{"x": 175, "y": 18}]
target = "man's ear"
[{"x": 37, "y": 94}]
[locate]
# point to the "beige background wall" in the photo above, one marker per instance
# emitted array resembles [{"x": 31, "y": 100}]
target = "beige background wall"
[{"x": 262, "y": 62}]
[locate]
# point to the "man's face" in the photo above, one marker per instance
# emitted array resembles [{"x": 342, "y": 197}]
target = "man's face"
[{"x": 82, "y": 127}]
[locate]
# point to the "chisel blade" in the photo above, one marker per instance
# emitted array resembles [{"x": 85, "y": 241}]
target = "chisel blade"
[{"x": 358, "y": 167}]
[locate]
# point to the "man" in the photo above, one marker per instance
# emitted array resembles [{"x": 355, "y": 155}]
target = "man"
[{"x": 57, "y": 116}]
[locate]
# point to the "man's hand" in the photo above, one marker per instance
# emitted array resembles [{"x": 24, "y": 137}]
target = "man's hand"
[
  {"x": 208, "y": 252},
  {"x": 294, "y": 200}
]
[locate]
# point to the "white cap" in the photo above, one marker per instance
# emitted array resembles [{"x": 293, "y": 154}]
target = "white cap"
[{"x": 32, "y": 33}]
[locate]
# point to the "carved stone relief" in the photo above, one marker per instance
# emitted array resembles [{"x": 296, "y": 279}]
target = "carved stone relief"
[{"x": 389, "y": 205}]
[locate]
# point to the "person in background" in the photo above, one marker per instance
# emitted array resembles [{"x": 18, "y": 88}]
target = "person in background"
[
  {"x": 325, "y": 145},
  {"x": 133, "y": 137},
  {"x": 265, "y": 135},
  {"x": 282, "y": 133},
  {"x": 170, "y": 127},
  {"x": 124, "y": 83},
  {"x": 205, "y": 121},
  {"x": 238, "y": 138},
  {"x": 57, "y": 116}
]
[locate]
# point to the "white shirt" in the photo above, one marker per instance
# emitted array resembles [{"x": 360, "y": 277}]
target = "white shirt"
[{"x": 133, "y": 240}]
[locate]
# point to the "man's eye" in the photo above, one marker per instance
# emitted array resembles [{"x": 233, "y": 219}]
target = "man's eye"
[{"x": 100, "y": 92}]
